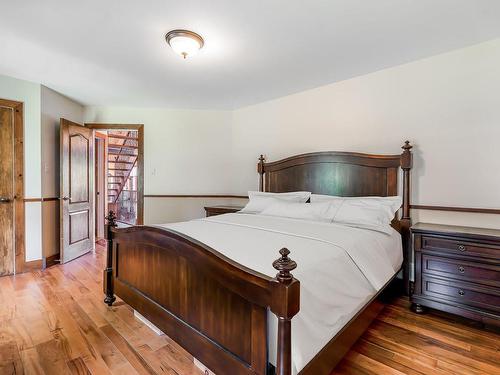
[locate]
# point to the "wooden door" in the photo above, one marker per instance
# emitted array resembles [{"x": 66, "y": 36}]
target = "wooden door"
[
  {"x": 77, "y": 190},
  {"x": 7, "y": 253}
]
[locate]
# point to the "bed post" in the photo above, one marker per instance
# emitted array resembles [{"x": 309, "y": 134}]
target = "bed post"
[
  {"x": 108, "y": 272},
  {"x": 260, "y": 169},
  {"x": 405, "y": 222},
  {"x": 285, "y": 304}
]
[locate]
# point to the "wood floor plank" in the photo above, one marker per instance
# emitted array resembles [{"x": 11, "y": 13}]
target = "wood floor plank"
[
  {"x": 393, "y": 360},
  {"x": 55, "y": 322},
  {"x": 139, "y": 364},
  {"x": 439, "y": 349},
  {"x": 52, "y": 358},
  {"x": 31, "y": 362},
  {"x": 77, "y": 366},
  {"x": 370, "y": 365}
]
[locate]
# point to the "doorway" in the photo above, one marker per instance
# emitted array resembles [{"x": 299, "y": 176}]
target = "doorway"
[
  {"x": 120, "y": 165},
  {"x": 12, "y": 253}
]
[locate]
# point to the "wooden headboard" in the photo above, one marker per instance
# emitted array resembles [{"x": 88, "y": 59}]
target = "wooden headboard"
[{"x": 347, "y": 174}]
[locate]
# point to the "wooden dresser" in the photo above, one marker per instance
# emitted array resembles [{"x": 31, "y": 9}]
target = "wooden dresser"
[
  {"x": 219, "y": 210},
  {"x": 457, "y": 270}
]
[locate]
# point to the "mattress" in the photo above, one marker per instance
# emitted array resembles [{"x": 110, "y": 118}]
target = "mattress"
[{"x": 340, "y": 268}]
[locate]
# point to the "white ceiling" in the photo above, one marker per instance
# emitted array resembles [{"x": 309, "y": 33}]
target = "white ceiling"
[{"x": 112, "y": 52}]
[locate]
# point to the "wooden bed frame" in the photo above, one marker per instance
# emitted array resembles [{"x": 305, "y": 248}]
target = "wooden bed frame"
[{"x": 216, "y": 308}]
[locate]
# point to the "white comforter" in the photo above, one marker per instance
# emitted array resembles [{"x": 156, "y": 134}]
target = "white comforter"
[{"x": 339, "y": 268}]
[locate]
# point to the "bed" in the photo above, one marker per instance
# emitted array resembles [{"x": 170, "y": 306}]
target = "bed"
[{"x": 227, "y": 290}]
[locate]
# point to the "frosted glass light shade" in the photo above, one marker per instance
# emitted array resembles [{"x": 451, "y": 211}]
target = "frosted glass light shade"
[{"x": 185, "y": 43}]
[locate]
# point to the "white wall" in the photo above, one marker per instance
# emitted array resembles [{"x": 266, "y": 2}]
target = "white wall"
[
  {"x": 185, "y": 152},
  {"x": 167, "y": 210},
  {"x": 29, "y": 94},
  {"x": 448, "y": 106},
  {"x": 42, "y": 109},
  {"x": 53, "y": 107}
]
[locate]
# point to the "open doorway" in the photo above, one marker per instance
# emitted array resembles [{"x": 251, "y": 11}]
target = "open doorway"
[{"x": 119, "y": 171}]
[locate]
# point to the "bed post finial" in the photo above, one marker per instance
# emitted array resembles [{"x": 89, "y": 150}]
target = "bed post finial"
[
  {"x": 284, "y": 265},
  {"x": 108, "y": 272},
  {"x": 285, "y": 305},
  {"x": 111, "y": 218},
  {"x": 405, "y": 222},
  {"x": 260, "y": 170}
]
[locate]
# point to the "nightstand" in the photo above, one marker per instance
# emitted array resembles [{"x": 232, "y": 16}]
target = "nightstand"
[
  {"x": 219, "y": 210},
  {"x": 457, "y": 270}
]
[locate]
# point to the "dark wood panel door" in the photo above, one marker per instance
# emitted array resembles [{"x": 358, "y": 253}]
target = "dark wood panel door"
[
  {"x": 77, "y": 190},
  {"x": 7, "y": 253}
]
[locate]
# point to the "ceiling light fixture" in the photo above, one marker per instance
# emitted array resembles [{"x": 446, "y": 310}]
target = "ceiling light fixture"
[{"x": 184, "y": 42}]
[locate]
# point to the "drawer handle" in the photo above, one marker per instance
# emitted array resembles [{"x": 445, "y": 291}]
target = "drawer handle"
[
  {"x": 461, "y": 292},
  {"x": 461, "y": 247},
  {"x": 461, "y": 269}
]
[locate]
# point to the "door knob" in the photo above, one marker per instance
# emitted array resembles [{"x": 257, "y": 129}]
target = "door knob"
[
  {"x": 65, "y": 198},
  {"x": 4, "y": 200}
]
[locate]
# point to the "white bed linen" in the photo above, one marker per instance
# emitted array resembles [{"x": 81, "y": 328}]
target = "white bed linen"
[{"x": 339, "y": 267}]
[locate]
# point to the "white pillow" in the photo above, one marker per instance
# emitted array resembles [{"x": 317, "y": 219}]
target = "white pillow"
[
  {"x": 374, "y": 213},
  {"x": 322, "y": 211},
  {"x": 393, "y": 203},
  {"x": 258, "y": 201},
  {"x": 364, "y": 214}
]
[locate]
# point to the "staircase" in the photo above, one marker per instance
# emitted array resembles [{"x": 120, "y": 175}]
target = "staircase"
[{"x": 122, "y": 177}]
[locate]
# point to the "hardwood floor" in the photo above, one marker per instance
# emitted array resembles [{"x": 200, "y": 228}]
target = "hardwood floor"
[
  {"x": 401, "y": 342},
  {"x": 54, "y": 322}
]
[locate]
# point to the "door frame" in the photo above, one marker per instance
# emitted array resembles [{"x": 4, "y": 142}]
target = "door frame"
[
  {"x": 140, "y": 159},
  {"x": 103, "y": 169},
  {"x": 20, "y": 264}
]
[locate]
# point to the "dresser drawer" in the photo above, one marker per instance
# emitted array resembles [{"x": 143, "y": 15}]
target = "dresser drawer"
[
  {"x": 458, "y": 247},
  {"x": 487, "y": 274},
  {"x": 461, "y": 292}
]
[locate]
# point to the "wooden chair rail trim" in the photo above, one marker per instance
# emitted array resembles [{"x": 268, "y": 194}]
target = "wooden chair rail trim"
[
  {"x": 457, "y": 209},
  {"x": 43, "y": 199},
  {"x": 195, "y": 196}
]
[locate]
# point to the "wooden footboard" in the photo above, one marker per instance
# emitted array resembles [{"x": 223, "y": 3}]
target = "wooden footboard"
[{"x": 212, "y": 306}]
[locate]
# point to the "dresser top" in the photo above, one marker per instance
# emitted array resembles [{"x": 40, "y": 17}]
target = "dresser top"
[
  {"x": 225, "y": 207},
  {"x": 456, "y": 230}
]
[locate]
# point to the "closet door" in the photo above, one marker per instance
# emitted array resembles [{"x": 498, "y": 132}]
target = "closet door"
[{"x": 7, "y": 253}]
